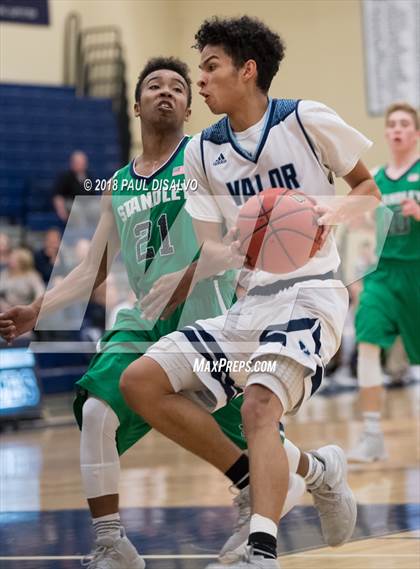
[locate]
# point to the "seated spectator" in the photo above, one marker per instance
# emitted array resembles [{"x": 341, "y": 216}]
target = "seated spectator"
[
  {"x": 5, "y": 250},
  {"x": 71, "y": 184},
  {"x": 47, "y": 258},
  {"x": 19, "y": 282}
]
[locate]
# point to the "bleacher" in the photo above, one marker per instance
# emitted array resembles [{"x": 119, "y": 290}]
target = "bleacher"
[{"x": 39, "y": 128}]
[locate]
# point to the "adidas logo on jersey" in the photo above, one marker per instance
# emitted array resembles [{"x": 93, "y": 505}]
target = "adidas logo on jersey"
[{"x": 220, "y": 160}]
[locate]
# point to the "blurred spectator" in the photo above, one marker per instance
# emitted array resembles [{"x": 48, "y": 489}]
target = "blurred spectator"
[
  {"x": 71, "y": 184},
  {"x": 5, "y": 250},
  {"x": 47, "y": 258},
  {"x": 19, "y": 282}
]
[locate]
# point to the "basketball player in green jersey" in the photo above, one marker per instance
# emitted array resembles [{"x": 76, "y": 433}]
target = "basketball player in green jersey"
[
  {"x": 143, "y": 214},
  {"x": 390, "y": 302}
]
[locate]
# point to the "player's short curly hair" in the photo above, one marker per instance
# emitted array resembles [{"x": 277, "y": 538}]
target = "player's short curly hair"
[
  {"x": 171, "y": 63},
  {"x": 242, "y": 39}
]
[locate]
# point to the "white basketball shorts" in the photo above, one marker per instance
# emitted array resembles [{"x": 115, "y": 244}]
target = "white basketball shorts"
[{"x": 212, "y": 359}]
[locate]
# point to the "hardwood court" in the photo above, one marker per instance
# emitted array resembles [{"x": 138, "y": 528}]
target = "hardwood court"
[{"x": 177, "y": 509}]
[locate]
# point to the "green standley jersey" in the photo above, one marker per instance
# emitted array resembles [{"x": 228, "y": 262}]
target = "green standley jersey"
[
  {"x": 156, "y": 233},
  {"x": 402, "y": 242}
]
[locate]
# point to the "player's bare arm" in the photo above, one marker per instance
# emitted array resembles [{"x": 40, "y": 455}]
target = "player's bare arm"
[
  {"x": 362, "y": 186},
  {"x": 362, "y": 183},
  {"x": 217, "y": 254},
  {"x": 77, "y": 285},
  {"x": 168, "y": 292}
]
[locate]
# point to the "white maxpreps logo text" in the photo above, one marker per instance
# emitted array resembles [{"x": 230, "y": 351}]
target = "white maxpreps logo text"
[
  {"x": 220, "y": 160},
  {"x": 223, "y": 365}
]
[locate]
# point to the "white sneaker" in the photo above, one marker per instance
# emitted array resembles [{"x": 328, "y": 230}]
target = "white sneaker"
[
  {"x": 114, "y": 553},
  {"x": 235, "y": 547},
  {"x": 371, "y": 447},
  {"x": 333, "y": 497},
  {"x": 248, "y": 561}
]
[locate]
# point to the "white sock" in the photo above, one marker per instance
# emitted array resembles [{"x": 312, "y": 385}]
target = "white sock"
[
  {"x": 107, "y": 525},
  {"x": 315, "y": 471},
  {"x": 372, "y": 422},
  {"x": 261, "y": 524}
]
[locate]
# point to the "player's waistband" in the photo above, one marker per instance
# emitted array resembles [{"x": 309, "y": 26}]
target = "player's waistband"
[{"x": 277, "y": 286}]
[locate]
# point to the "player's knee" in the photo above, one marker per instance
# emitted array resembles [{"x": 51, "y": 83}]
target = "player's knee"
[
  {"x": 260, "y": 409},
  {"x": 141, "y": 384},
  {"x": 133, "y": 383},
  {"x": 93, "y": 411},
  {"x": 98, "y": 418}
]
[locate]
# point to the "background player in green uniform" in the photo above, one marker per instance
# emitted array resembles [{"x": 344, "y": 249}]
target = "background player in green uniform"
[{"x": 390, "y": 302}]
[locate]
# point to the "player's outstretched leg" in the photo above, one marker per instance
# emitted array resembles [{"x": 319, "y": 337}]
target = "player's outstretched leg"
[
  {"x": 269, "y": 477},
  {"x": 100, "y": 467}
]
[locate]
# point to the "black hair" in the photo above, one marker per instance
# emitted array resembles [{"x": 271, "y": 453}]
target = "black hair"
[
  {"x": 171, "y": 63},
  {"x": 242, "y": 39}
]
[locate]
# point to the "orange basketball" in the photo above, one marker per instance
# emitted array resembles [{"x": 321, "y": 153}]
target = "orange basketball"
[{"x": 278, "y": 230}]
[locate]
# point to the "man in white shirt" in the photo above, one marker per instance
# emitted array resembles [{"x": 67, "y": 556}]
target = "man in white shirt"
[{"x": 294, "y": 320}]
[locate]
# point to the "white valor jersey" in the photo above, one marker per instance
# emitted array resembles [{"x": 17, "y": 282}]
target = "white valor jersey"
[{"x": 301, "y": 145}]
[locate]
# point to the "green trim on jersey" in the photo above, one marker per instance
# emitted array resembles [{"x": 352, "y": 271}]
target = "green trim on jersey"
[{"x": 402, "y": 240}]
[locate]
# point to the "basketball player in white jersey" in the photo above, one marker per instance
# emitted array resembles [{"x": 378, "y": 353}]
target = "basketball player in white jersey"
[{"x": 294, "y": 320}]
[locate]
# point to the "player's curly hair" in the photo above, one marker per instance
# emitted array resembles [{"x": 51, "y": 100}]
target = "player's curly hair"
[
  {"x": 171, "y": 63},
  {"x": 242, "y": 39}
]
